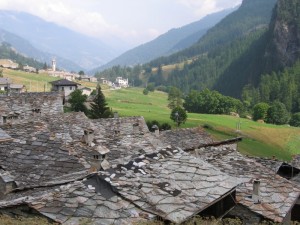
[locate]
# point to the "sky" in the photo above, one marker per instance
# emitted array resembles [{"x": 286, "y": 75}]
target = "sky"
[{"x": 132, "y": 21}]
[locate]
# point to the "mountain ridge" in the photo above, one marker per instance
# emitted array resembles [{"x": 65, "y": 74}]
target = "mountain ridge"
[
  {"x": 49, "y": 37},
  {"x": 25, "y": 48},
  {"x": 167, "y": 43}
]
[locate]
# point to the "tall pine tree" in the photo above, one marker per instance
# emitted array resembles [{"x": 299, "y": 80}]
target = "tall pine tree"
[{"x": 99, "y": 107}]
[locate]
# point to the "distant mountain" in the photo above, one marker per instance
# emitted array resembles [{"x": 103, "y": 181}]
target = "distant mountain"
[
  {"x": 276, "y": 50},
  {"x": 23, "y": 47},
  {"x": 85, "y": 51},
  {"x": 170, "y": 42}
]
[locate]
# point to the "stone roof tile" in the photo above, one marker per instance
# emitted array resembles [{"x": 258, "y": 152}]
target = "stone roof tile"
[
  {"x": 159, "y": 188},
  {"x": 274, "y": 190}
]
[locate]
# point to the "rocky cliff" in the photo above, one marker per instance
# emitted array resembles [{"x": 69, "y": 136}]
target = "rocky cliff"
[{"x": 284, "y": 47}]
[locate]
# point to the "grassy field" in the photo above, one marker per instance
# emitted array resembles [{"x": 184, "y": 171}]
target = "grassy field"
[
  {"x": 259, "y": 139},
  {"x": 263, "y": 140}
]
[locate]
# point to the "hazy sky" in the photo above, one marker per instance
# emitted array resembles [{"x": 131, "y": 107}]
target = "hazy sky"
[{"x": 134, "y": 21}]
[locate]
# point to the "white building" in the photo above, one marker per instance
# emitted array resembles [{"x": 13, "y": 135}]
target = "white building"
[{"x": 121, "y": 82}]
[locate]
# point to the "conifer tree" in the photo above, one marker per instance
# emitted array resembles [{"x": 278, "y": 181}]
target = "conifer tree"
[{"x": 99, "y": 107}]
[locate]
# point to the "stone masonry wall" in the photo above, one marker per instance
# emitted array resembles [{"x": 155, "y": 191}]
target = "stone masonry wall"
[{"x": 16, "y": 107}]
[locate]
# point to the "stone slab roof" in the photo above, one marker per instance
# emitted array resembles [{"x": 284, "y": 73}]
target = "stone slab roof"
[
  {"x": 64, "y": 82},
  {"x": 76, "y": 202},
  {"x": 277, "y": 195},
  {"x": 124, "y": 137},
  {"x": 160, "y": 183},
  {"x": 34, "y": 156},
  {"x": 272, "y": 164},
  {"x": 186, "y": 138},
  {"x": 296, "y": 161},
  {"x": 4, "y": 136},
  {"x": 5, "y": 81}
]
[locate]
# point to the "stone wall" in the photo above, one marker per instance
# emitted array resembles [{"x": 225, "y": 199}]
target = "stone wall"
[{"x": 17, "y": 107}]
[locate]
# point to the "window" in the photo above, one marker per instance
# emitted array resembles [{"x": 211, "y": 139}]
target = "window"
[
  {"x": 70, "y": 88},
  {"x": 62, "y": 88}
]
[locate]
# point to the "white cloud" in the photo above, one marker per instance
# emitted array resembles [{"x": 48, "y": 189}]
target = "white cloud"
[
  {"x": 204, "y": 7},
  {"x": 132, "y": 20}
]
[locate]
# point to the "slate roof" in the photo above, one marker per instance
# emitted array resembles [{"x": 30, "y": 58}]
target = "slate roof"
[
  {"x": 75, "y": 202},
  {"x": 272, "y": 164},
  {"x": 160, "y": 183},
  {"x": 186, "y": 138},
  {"x": 146, "y": 178},
  {"x": 126, "y": 138},
  {"x": 16, "y": 86},
  {"x": 55, "y": 147},
  {"x": 4, "y": 136},
  {"x": 5, "y": 80},
  {"x": 34, "y": 156},
  {"x": 277, "y": 195},
  {"x": 64, "y": 82},
  {"x": 296, "y": 161}
]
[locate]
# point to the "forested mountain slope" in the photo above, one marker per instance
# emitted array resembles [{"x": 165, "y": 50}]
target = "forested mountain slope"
[
  {"x": 277, "y": 49},
  {"x": 281, "y": 60},
  {"x": 225, "y": 51},
  {"x": 252, "y": 15}
]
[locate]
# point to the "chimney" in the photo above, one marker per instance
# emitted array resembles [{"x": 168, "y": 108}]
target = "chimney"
[
  {"x": 256, "y": 191},
  {"x": 156, "y": 130},
  {"x": 116, "y": 115},
  {"x": 88, "y": 136}
]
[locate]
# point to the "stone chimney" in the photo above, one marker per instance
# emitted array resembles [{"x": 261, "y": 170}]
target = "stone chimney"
[
  {"x": 88, "y": 136},
  {"x": 156, "y": 130},
  {"x": 116, "y": 115},
  {"x": 256, "y": 191}
]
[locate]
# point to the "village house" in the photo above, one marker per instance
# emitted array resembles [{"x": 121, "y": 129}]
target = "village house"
[
  {"x": 7, "y": 86},
  {"x": 4, "y": 84},
  {"x": 85, "y": 90},
  {"x": 68, "y": 168},
  {"x": 18, "y": 107},
  {"x": 120, "y": 82},
  {"x": 29, "y": 69},
  {"x": 107, "y": 82},
  {"x": 65, "y": 86},
  {"x": 88, "y": 79}
]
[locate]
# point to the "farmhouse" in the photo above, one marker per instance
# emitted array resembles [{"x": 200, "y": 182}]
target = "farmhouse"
[
  {"x": 7, "y": 86},
  {"x": 88, "y": 78},
  {"x": 85, "y": 90},
  {"x": 64, "y": 86},
  {"x": 70, "y": 169}
]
